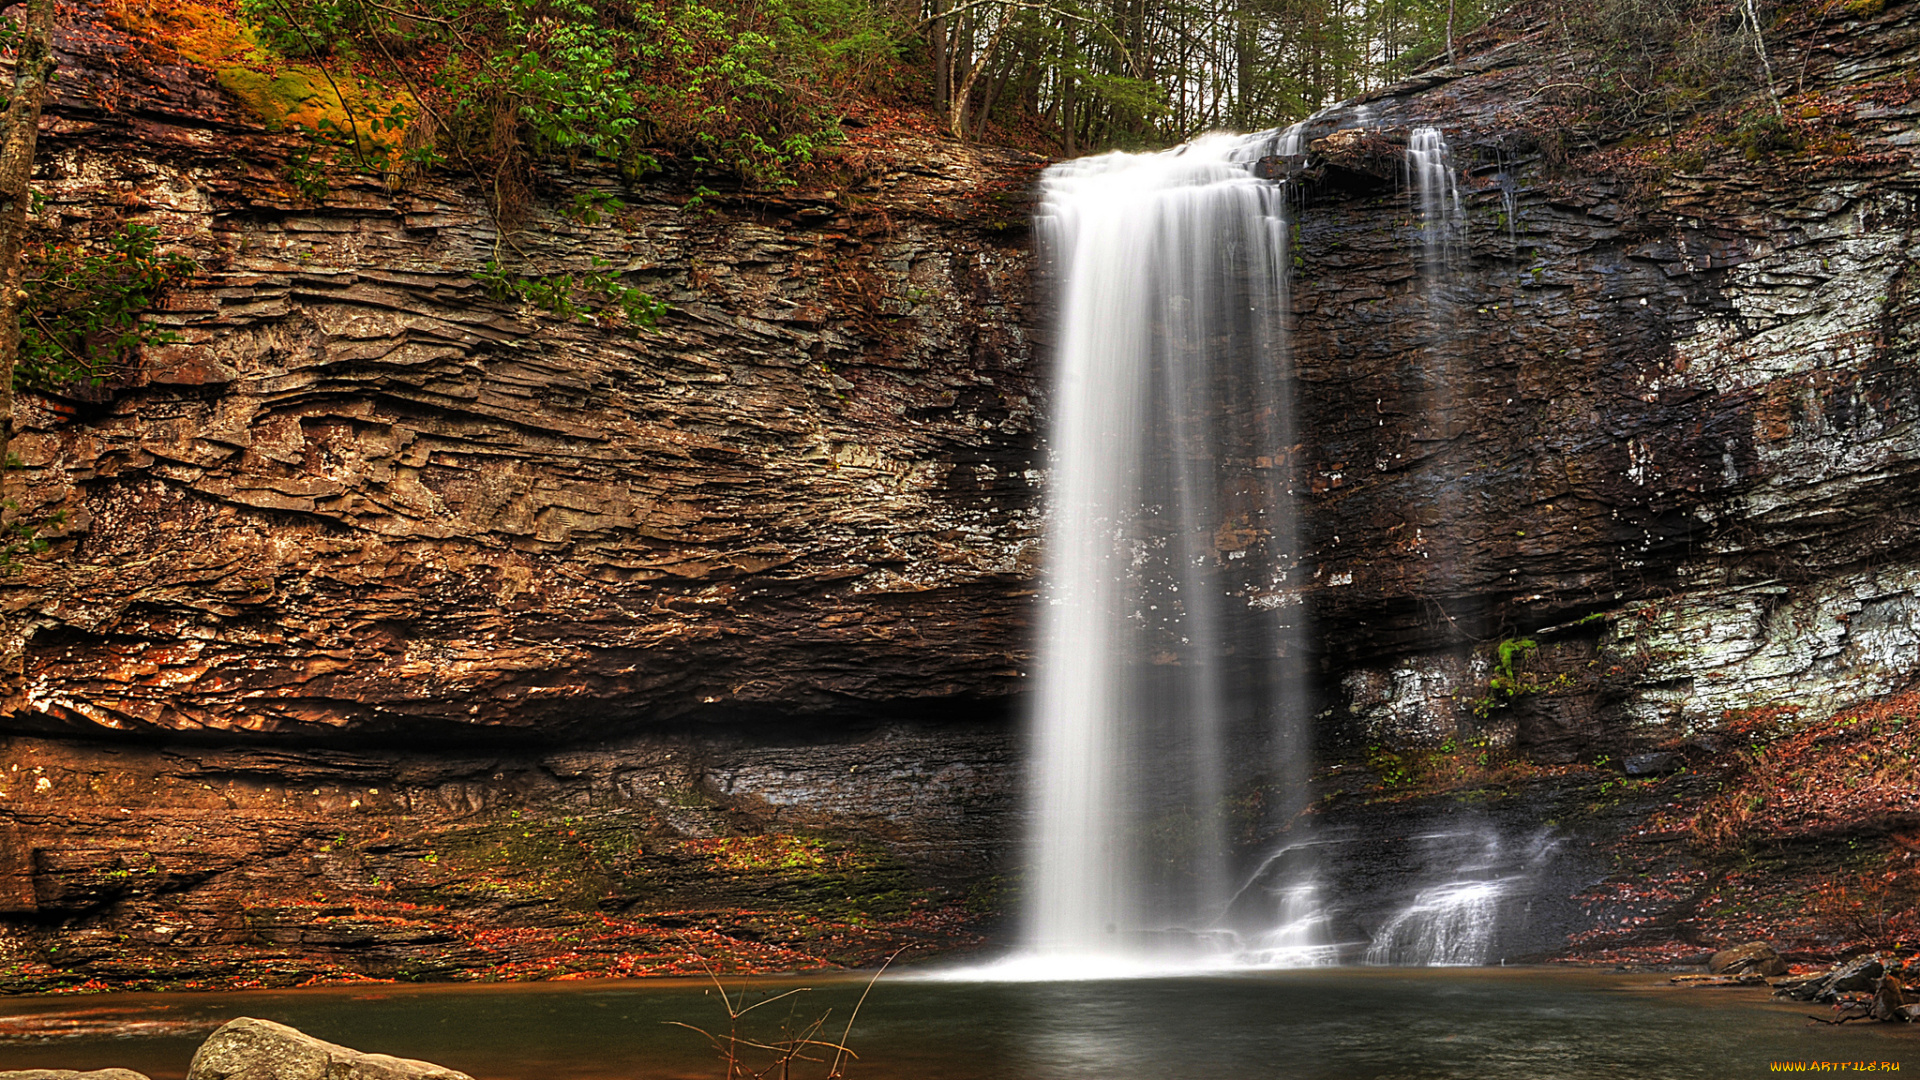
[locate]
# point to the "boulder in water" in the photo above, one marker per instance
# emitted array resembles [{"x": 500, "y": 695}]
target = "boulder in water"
[
  {"x": 1859, "y": 973},
  {"x": 1847, "y": 976},
  {"x": 1753, "y": 958},
  {"x": 250, "y": 1049},
  {"x": 1890, "y": 1000}
]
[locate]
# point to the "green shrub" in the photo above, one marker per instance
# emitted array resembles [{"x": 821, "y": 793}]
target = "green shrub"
[
  {"x": 82, "y": 313},
  {"x": 746, "y": 89}
]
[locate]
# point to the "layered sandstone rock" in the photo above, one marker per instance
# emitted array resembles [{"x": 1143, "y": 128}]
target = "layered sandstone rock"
[
  {"x": 1660, "y": 419},
  {"x": 361, "y": 492}
]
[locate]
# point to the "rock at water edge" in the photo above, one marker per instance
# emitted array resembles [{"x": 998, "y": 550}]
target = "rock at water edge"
[
  {"x": 250, "y": 1049},
  {"x": 1753, "y": 958},
  {"x": 1890, "y": 1001},
  {"x": 1859, "y": 973}
]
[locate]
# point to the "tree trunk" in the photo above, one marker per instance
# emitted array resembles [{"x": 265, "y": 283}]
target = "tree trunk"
[
  {"x": 1242, "y": 108},
  {"x": 31, "y": 73},
  {"x": 1067, "y": 105},
  {"x": 942, "y": 72},
  {"x": 995, "y": 83},
  {"x": 957, "y": 116}
]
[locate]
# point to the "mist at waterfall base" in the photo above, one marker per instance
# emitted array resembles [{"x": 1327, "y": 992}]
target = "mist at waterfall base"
[{"x": 1171, "y": 743}]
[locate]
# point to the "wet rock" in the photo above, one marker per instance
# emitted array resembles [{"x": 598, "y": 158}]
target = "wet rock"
[
  {"x": 1271, "y": 167},
  {"x": 250, "y": 1049},
  {"x": 1801, "y": 988},
  {"x": 1753, "y": 958},
  {"x": 1718, "y": 980},
  {"x": 1852, "y": 1008},
  {"x": 1890, "y": 1001},
  {"x": 1862, "y": 973},
  {"x": 1652, "y": 764}
]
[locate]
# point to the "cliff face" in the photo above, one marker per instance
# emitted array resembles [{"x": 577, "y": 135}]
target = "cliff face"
[
  {"x": 404, "y": 560},
  {"x": 1615, "y": 489},
  {"x": 363, "y": 493},
  {"x": 397, "y": 629},
  {"x": 1656, "y": 414}
]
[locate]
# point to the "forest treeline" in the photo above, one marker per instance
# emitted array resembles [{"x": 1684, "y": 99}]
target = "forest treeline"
[{"x": 757, "y": 88}]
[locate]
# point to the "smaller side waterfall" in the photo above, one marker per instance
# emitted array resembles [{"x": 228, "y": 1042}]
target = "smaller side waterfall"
[
  {"x": 1300, "y": 936},
  {"x": 1447, "y": 926},
  {"x": 1436, "y": 195},
  {"x": 1471, "y": 898}
]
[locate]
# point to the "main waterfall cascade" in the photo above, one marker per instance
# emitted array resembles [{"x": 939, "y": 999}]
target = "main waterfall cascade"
[
  {"x": 1161, "y": 704},
  {"x": 1167, "y": 735}
]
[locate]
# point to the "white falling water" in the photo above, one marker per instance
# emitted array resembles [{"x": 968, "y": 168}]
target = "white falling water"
[
  {"x": 1451, "y": 923},
  {"x": 1436, "y": 196},
  {"x": 1447, "y": 925},
  {"x": 1167, "y": 541},
  {"x": 1301, "y": 935}
]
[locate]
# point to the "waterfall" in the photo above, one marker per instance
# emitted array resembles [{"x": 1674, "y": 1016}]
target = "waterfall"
[
  {"x": 1163, "y": 738},
  {"x": 1159, "y": 713},
  {"x": 1437, "y": 197},
  {"x": 1448, "y": 925}
]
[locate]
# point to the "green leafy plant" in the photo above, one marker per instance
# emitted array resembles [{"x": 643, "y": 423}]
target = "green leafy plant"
[
  {"x": 1506, "y": 680},
  {"x": 591, "y": 207},
  {"x": 309, "y": 28},
  {"x": 307, "y": 172},
  {"x": 20, "y": 537},
  {"x": 597, "y": 294},
  {"x": 741, "y": 89},
  {"x": 84, "y": 302},
  {"x": 1764, "y": 134}
]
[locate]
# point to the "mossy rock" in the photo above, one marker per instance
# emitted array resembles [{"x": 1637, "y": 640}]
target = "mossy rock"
[{"x": 287, "y": 95}]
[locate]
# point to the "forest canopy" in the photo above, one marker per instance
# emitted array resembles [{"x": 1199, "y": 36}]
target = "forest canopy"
[
  {"x": 758, "y": 87},
  {"x": 755, "y": 91}
]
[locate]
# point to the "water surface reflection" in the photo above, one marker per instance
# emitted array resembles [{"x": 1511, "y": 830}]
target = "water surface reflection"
[{"x": 1315, "y": 1024}]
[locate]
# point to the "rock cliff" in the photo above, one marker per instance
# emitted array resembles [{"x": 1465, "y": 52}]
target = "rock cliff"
[
  {"x": 395, "y": 555},
  {"x": 1656, "y": 413},
  {"x": 362, "y": 493},
  {"x": 396, "y": 629}
]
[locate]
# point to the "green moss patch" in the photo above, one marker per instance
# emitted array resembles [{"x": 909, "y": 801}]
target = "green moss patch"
[{"x": 339, "y": 106}]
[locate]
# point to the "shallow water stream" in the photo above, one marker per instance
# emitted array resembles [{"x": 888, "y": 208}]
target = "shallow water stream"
[{"x": 1322, "y": 1024}]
